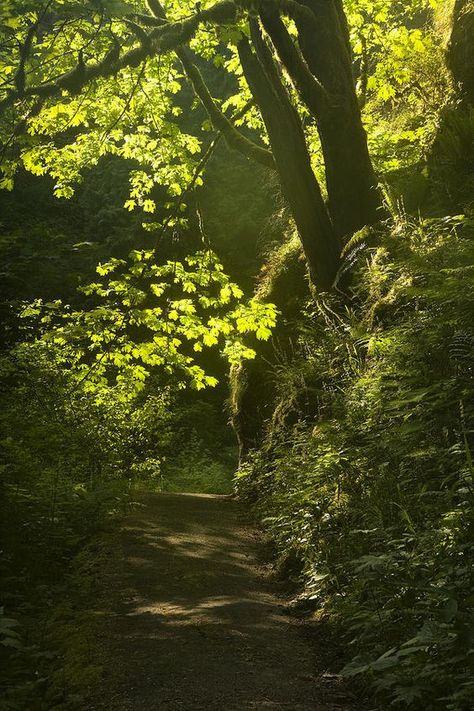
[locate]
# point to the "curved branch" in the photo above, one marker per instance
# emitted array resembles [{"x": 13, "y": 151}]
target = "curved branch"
[{"x": 219, "y": 120}]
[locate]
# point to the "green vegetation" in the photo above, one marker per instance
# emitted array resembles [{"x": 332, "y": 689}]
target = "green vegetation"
[
  {"x": 364, "y": 477},
  {"x": 275, "y": 195}
]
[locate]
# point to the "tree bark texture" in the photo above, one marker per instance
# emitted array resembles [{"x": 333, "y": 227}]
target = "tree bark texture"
[
  {"x": 290, "y": 152},
  {"x": 354, "y": 199},
  {"x": 461, "y": 49}
]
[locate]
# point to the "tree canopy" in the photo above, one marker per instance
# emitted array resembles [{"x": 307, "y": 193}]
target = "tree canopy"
[{"x": 81, "y": 81}]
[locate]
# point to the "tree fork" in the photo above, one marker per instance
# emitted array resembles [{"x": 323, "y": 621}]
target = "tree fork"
[
  {"x": 299, "y": 184},
  {"x": 311, "y": 91},
  {"x": 354, "y": 198}
]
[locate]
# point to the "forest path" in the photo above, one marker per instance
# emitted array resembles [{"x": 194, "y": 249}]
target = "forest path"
[{"x": 198, "y": 624}]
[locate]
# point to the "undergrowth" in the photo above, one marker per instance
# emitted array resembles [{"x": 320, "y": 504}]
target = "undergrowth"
[
  {"x": 70, "y": 469},
  {"x": 61, "y": 482},
  {"x": 365, "y": 479}
]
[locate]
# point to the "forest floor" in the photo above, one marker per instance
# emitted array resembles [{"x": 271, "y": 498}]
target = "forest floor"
[{"x": 197, "y": 620}]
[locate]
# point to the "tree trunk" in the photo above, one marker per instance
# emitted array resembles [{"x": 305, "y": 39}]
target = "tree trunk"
[
  {"x": 461, "y": 49},
  {"x": 287, "y": 140},
  {"x": 353, "y": 193}
]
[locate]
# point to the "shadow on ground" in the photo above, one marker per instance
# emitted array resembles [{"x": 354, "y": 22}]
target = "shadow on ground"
[{"x": 197, "y": 625}]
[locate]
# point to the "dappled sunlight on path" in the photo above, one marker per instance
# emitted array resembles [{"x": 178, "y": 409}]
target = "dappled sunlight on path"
[{"x": 198, "y": 625}]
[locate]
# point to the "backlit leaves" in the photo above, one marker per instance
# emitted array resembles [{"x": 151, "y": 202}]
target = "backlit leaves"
[{"x": 147, "y": 316}]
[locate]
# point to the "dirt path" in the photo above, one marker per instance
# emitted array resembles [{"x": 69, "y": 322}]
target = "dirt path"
[{"x": 198, "y": 624}]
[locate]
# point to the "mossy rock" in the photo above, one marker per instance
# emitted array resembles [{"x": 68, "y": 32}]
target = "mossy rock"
[
  {"x": 451, "y": 163},
  {"x": 283, "y": 282}
]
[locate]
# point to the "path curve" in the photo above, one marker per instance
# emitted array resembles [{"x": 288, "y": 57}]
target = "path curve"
[{"x": 198, "y": 625}]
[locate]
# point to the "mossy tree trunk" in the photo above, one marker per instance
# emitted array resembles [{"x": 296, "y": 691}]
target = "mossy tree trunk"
[
  {"x": 286, "y": 135},
  {"x": 321, "y": 68},
  {"x": 461, "y": 49}
]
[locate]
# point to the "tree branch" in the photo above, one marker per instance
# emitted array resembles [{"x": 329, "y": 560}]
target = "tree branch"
[
  {"x": 309, "y": 88},
  {"x": 219, "y": 120},
  {"x": 267, "y": 62},
  {"x": 160, "y": 40}
]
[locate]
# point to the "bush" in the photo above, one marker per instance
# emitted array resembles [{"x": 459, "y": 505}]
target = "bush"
[{"x": 372, "y": 489}]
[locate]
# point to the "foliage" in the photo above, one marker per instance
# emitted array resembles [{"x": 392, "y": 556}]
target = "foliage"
[
  {"x": 131, "y": 115},
  {"x": 151, "y": 316},
  {"x": 371, "y": 490},
  {"x": 134, "y": 112},
  {"x": 62, "y": 479},
  {"x": 365, "y": 475},
  {"x": 403, "y": 80}
]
